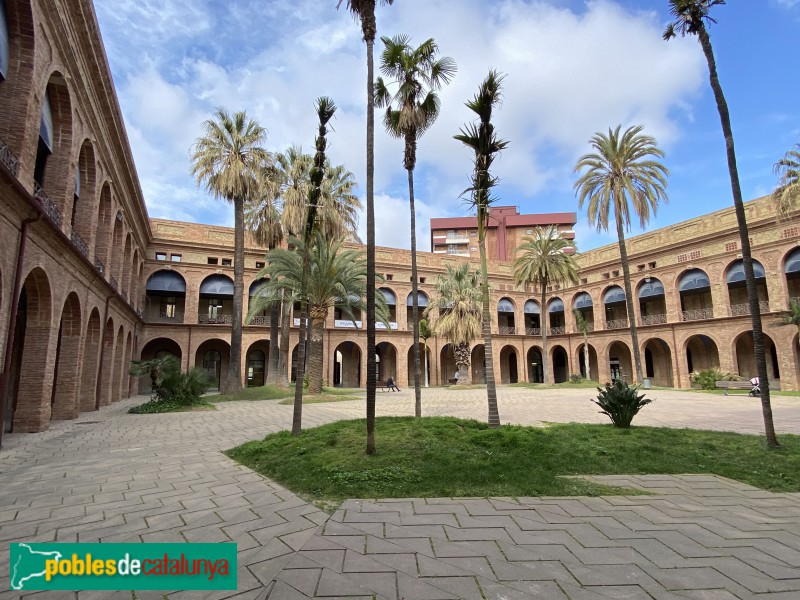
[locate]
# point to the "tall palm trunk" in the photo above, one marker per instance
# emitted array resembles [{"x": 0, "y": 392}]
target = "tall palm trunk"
[
  {"x": 543, "y": 324},
  {"x": 282, "y": 377},
  {"x": 297, "y": 414},
  {"x": 233, "y": 381},
  {"x": 741, "y": 219},
  {"x": 369, "y": 28},
  {"x": 626, "y": 276},
  {"x": 586, "y": 354},
  {"x": 411, "y": 151},
  {"x": 491, "y": 386},
  {"x": 315, "y": 349},
  {"x": 274, "y": 344}
]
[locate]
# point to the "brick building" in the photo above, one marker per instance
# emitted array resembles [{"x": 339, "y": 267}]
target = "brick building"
[{"x": 88, "y": 281}]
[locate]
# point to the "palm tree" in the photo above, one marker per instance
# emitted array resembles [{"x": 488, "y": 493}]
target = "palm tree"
[
  {"x": 583, "y": 327},
  {"x": 543, "y": 261},
  {"x": 690, "y": 19},
  {"x": 483, "y": 141},
  {"x": 788, "y": 171},
  {"x": 227, "y": 160},
  {"x": 410, "y": 112},
  {"x": 457, "y": 296},
  {"x": 339, "y": 206},
  {"x": 364, "y": 10},
  {"x": 792, "y": 317},
  {"x": 623, "y": 174},
  {"x": 155, "y": 368},
  {"x": 425, "y": 332}
]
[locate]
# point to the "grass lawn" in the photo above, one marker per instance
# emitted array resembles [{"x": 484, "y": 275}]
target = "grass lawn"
[
  {"x": 273, "y": 392},
  {"x": 320, "y": 398},
  {"x": 444, "y": 457}
]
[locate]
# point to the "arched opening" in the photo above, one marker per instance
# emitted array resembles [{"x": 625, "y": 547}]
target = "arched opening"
[
  {"x": 701, "y": 354},
  {"x": 447, "y": 364},
  {"x": 505, "y": 316},
  {"x": 83, "y": 199},
  {"x": 478, "y": 360},
  {"x": 212, "y": 356},
  {"x": 104, "y": 394},
  {"x": 103, "y": 230},
  {"x": 694, "y": 287},
  {"x": 391, "y": 304},
  {"x": 533, "y": 324},
  {"x": 260, "y": 318},
  {"x": 583, "y": 305},
  {"x": 158, "y": 348},
  {"x": 422, "y": 304},
  {"x": 619, "y": 362},
  {"x": 51, "y": 169},
  {"x": 16, "y": 71},
  {"x": 30, "y": 383},
  {"x": 125, "y": 388},
  {"x": 508, "y": 365},
  {"x": 91, "y": 356},
  {"x": 658, "y": 362},
  {"x": 165, "y": 297},
  {"x": 652, "y": 302},
  {"x": 115, "y": 259},
  {"x": 424, "y": 364},
  {"x": 616, "y": 310},
  {"x": 386, "y": 362},
  {"x": 594, "y": 371},
  {"x": 133, "y": 280},
  {"x": 746, "y": 358},
  {"x": 120, "y": 366},
  {"x": 555, "y": 312},
  {"x": 560, "y": 364},
  {"x": 791, "y": 269},
  {"x": 738, "y": 302},
  {"x": 216, "y": 300},
  {"x": 126, "y": 266},
  {"x": 535, "y": 369},
  {"x": 346, "y": 365},
  {"x": 66, "y": 375},
  {"x": 257, "y": 363}
]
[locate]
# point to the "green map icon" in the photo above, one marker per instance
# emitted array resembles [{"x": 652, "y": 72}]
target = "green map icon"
[{"x": 28, "y": 564}]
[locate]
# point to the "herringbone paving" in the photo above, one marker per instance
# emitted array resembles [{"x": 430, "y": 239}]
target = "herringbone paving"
[{"x": 114, "y": 477}]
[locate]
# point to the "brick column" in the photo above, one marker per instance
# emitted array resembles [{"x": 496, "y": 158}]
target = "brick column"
[{"x": 32, "y": 411}]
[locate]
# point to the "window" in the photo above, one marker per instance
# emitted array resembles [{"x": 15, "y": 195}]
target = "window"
[
  {"x": 227, "y": 262},
  {"x": 214, "y": 308},
  {"x": 615, "y": 273},
  {"x": 259, "y": 264},
  {"x": 422, "y": 280},
  {"x": 213, "y": 260},
  {"x": 45, "y": 148},
  {"x": 473, "y": 234},
  {"x": 168, "y": 306},
  {"x": 3, "y": 41},
  {"x": 731, "y": 246},
  {"x": 790, "y": 232},
  {"x": 175, "y": 258},
  {"x": 77, "y": 193},
  {"x": 584, "y": 281},
  {"x": 606, "y": 275},
  {"x": 161, "y": 256},
  {"x": 529, "y": 232},
  {"x": 389, "y": 276},
  {"x": 640, "y": 267},
  {"x": 651, "y": 265},
  {"x": 474, "y": 249}
]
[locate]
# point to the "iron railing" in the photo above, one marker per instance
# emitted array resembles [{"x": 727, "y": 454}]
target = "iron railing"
[
  {"x": 80, "y": 244},
  {"x": 697, "y": 315},
  {"x": 48, "y": 206},
  {"x": 589, "y": 327},
  {"x": 617, "y": 324},
  {"x": 742, "y": 310},
  {"x": 261, "y": 321},
  {"x": 505, "y": 330},
  {"x": 8, "y": 158},
  {"x": 557, "y": 330},
  {"x": 533, "y": 331},
  {"x": 98, "y": 264},
  {"x": 654, "y": 319},
  {"x": 215, "y": 320}
]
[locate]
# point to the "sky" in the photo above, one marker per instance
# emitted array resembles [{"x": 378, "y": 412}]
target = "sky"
[{"x": 572, "y": 68}]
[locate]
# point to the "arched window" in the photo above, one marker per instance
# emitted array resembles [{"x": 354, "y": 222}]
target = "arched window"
[
  {"x": 45, "y": 148},
  {"x": 4, "y": 48}
]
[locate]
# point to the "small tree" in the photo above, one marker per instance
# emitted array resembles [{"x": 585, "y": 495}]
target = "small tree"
[
  {"x": 792, "y": 318},
  {"x": 788, "y": 171},
  {"x": 156, "y": 369},
  {"x": 583, "y": 327}
]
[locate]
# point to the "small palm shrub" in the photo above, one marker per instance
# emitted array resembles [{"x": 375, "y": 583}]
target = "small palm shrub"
[
  {"x": 575, "y": 378},
  {"x": 708, "y": 378},
  {"x": 184, "y": 389},
  {"x": 620, "y": 402}
]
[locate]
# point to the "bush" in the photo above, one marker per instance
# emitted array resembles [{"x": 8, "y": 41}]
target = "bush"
[
  {"x": 576, "y": 378},
  {"x": 708, "y": 378},
  {"x": 174, "y": 390},
  {"x": 620, "y": 402}
]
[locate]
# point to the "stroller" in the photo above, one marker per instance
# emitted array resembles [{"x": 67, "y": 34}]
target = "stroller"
[{"x": 756, "y": 390}]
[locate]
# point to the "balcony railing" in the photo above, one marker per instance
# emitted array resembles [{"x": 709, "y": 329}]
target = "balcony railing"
[
  {"x": 166, "y": 317},
  {"x": 215, "y": 320},
  {"x": 8, "y": 158},
  {"x": 654, "y": 319},
  {"x": 98, "y": 264},
  {"x": 533, "y": 331},
  {"x": 81, "y": 245},
  {"x": 505, "y": 330},
  {"x": 557, "y": 331},
  {"x": 261, "y": 321},
  {"x": 49, "y": 208},
  {"x": 589, "y": 328},
  {"x": 742, "y": 310},
  {"x": 697, "y": 315},
  {"x": 113, "y": 282},
  {"x": 617, "y": 324}
]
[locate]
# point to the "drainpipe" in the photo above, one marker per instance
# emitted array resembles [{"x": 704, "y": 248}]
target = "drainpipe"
[
  {"x": 189, "y": 350},
  {"x": 12, "y": 323},
  {"x": 98, "y": 383}
]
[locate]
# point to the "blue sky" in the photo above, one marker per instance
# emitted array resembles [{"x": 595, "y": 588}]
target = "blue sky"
[{"x": 573, "y": 68}]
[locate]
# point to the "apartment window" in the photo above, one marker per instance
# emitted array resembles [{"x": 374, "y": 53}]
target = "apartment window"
[
  {"x": 227, "y": 262},
  {"x": 168, "y": 306},
  {"x": 259, "y": 264},
  {"x": 175, "y": 258},
  {"x": 389, "y": 277},
  {"x": 214, "y": 308},
  {"x": 213, "y": 260},
  {"x": 453, "y": 249},
  {"x": 161, "y": 256}
]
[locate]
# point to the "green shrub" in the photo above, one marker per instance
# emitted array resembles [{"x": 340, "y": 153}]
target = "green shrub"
[
  {"x": 708, "y": 378},
  {"x": 620, "y": 402},
  {"x": 575, "y": 378},
  {"x": 184, "y": 388}
]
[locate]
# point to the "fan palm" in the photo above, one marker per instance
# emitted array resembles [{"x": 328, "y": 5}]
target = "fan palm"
[
  {"x": 691, "y": 17},
  {"x": 227, "y": 160},
  {"x": 483, "y": 141},
  {"x": 542, "y": 261},
  {"x": 788, "y": 171},
  {"x": 364, "y": 11},
  {"x": 457, "y": 296},
  {"x": 410, "y": 111},
  {"x": 792, "y": 318},
  {"x": 623, "y": 175}
]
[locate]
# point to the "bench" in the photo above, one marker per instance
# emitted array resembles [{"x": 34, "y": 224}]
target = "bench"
[
  {"x": 383, "y": 385},
  {"x": 452, "y": 381},
  {"x": 734, "y": 385}
]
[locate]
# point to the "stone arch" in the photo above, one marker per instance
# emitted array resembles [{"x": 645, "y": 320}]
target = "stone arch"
[
  {"x": 738, "y": 300},
  {"x": 745, "y": 361},
  {"x": 652, "y": 301},
  {"x": 425, "y": 363},
  {"x": 594, "y": 370},
  {"x": 658, "y": 364},
  {"x": 509, "y": 365},
  {"x": 694, "y": 289},
  {"x": 790, "y": 267},
  {"x": 66, "y": 375},
  {"x": 104, "y": 395},
  {"x": 702, "y": 353},
  {"x": 347, "y": 365},
  {"x": 213, "y": 356},
  {"x": 103, "y": 230},
  {"x": 559, "y": 363},
  {"x": 31, "y": 380},
  {"x": 156, "y": 348},
  {"x": 619, "y": 361},
  {"x": 17, "y": 82},
  {"x": 83, "y": 197},
  {"x": 386, "y": 362},
  {"x": 447, "y": 364},
  {"x": 125, "y": 390},
  {"x": 119, "y": 366},
  {"x": 506, "y": 312},
  {"x": 54, "y": 149},
  {"x": 132, "y": 280},
  {"x": 91, "y": 355},
  {"x": 534, "y": 365},
  {"x": 391, "y": 303},
  {"x": 165, "y": 297},
  {"x": 478, "y": 364},
  {"x": 257, "y": 363}
]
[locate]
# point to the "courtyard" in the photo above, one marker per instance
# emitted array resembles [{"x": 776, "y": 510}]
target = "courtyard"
[{"x": 113, "y": 477}]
